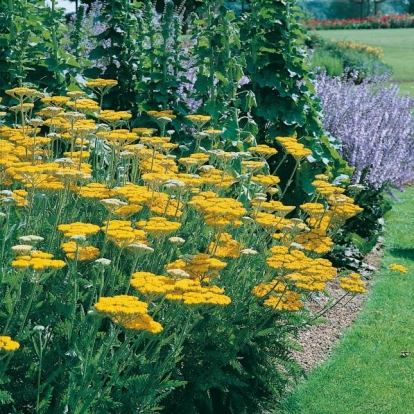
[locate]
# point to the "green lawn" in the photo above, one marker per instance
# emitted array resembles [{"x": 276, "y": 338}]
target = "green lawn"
[
  {"x": 397, "y": 44},
  {"x": 369, "y": 372}
]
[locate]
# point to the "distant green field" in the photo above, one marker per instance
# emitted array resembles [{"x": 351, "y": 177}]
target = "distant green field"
[{"x": 397, "y": 44}]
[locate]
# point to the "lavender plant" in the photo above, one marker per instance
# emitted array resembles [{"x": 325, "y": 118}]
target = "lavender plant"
[
  {"x": 374, "y": 126},
  {"x": 375, "y": 129}
]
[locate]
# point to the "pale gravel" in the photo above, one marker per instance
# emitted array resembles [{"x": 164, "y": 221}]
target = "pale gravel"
[{"x": 318, "y": 341}]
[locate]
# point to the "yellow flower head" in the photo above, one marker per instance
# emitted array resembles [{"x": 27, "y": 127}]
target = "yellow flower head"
[
  {"x": 352, "y": 283},
  {"x": 398, "y": 268},
  {"x": 7, "y": 344}
]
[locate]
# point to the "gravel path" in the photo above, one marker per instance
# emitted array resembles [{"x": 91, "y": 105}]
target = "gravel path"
[{"x": 318, "y": 341}]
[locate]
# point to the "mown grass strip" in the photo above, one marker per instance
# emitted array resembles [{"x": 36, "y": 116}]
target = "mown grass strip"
[
  {"x": 372, "y": 369},
  {"x": 397, "y": 45}
]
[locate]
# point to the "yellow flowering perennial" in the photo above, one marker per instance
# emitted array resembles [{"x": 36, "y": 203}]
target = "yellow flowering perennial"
[
  {"x": 82, "y": 253},
  {"x": 398, "y": 268},
  {"x": 129, "y": 312},
  {"x": 352, "y": 283},
  {"x": 38, "y": 261},
  {"x": 78, "y": 228},
  {"x": 139, "y": 190},
  {"x": 7, "y": 344}
]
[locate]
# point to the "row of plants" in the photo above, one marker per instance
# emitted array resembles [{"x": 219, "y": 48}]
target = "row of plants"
[
  {"x": 164, "y": 225},
  {"x": 162, "y": 233},
  {"x": 335, "y": 57},
  {"x": 134, "y": 279},
  {"x": 395, "y": 21},
  {"x": 376, "y": 128}
]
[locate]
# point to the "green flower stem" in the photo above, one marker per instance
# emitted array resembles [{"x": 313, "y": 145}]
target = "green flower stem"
[
  {"x": 328, "y": 308},
  {"x": 39, "y": 351},
  {"x": 75, "y": 294},
  {"x": 290, "y": 180},
  {"x": 108, "y": 378},
  {"x": 3, "y": 243},
  {"x": 60, "y": 205},
  {"x": 29, "y": 304},
  {"x": 16, "y": 301}
]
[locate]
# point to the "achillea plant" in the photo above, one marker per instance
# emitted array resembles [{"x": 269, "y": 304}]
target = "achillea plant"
[
  {"x": 374, "y": 126},
  {"x": 133, "y": 278}
]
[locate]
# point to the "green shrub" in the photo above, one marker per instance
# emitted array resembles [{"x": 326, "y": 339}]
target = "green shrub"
[
  {"x": 355, "y": 57},
  {"x": 325, "y": 61}
]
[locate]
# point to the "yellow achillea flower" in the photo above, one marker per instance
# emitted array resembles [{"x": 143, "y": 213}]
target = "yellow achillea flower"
[
  {"x": 110, "y": 115},
  {"x": 75, "y": 94},
  {"x": 313, "y": 209},
  {"x": 315, "y": 240},
  {"x": 78, "y": 228},
  {"x": 216, "y": 178},
  {"x": 143, "y": 323},
  {"x": 55, "y": 100},
  {"x": 149, "y": 283},
  {"x": 271, "y": 222},
  {"x": 288, "y": 300},
  {"x": 101, "y": 83},
  {"x": 265, "y": 289},
  {"x": 253, "y": 165},
  {"x": 84, "y": 105},
  {"x": 167, "y": 113},
  {"x": 124, "y": 237},
  {"x": 129, "y": 312},
  {"x": 121, "y": 305},
  {"x": 118, "y": 137},
  {"x": 126, "y": 211},
  {"x": 190, "y": 292},
  {"x": 135, "y": 194},
  {"x": 199, "y": 120},
  {"x": 353, "y": 283},
  {"x": 224, "y": 246},
  {"x": 274, "y": 206},
  {"x": 205, "y": 297},
  {"x": 294, "y": 148},
  {"x": 143, "y": 131},
  {"x": 7, "y": 344},
  {"x": 83, "y": 252},
  {"x": 398, "y": 268},
  {"x": 218, "y": 212},
  {"x": 22, "y": 93},
  {"x": 162, "y": 204},
  {"x": 326, "y": 189},
  {"x": 263, "y": 150},
  {"x": 95, "y": 190},
  {"x": 38, "y": 261},
  {"x": 200, "y": 267},
  {"x": 159, "y": 226},
  {"x": 309, "y": 274},
  {"x": 373, "y": 51},
  {"x": 278, "y": 296},
  {"x": 266, "y": 181}
]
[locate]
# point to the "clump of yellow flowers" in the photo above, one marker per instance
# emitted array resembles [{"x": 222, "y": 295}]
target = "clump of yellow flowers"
[
  {"x": 398, "y": 268},
  {"x": 7, "y": 344},
  {"x": 173, "y": 228}
]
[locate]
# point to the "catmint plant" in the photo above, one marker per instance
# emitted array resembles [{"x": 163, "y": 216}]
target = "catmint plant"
[{"x": 374, "y": 126}]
